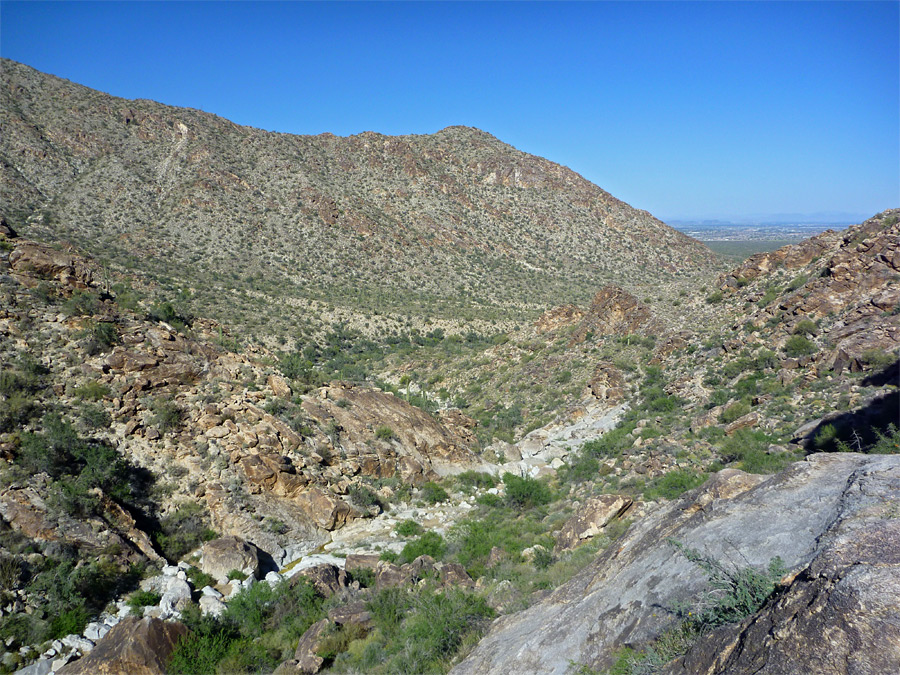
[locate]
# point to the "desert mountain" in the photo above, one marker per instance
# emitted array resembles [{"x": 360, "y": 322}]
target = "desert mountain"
[
  {"x": 456, "y": 219},
  {"x": 675, "y": 472}
]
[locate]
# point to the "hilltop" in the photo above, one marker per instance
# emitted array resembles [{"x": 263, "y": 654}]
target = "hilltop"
[{"x": 453, "y": 224}]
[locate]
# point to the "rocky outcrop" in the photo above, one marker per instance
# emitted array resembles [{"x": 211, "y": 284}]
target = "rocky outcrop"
[
  {"x": 614, "y": 311},
  {"x": 828, "y": 515},
  {"x": 134, "y": 646},
  {"x": 358, "y": 412},
  {"x": 32, "y": 262}
]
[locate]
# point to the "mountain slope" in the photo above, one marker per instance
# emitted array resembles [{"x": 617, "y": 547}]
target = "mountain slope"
[{"x": 442, "y": 221}]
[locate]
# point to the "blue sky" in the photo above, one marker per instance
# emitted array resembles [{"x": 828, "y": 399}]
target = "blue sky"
[{"x": 688, "y": 110}]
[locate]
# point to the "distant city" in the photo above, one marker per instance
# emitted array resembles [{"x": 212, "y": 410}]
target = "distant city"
[{"x": 723, "y": 230}]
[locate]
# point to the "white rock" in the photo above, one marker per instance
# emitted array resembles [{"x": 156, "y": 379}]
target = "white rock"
[
  {"x": 60, "y": 662},
  {"x": 83, "y": 645},
  {"x": 181, "y": 575},
  {"x": 274, "y": 578},
  {"x": 57, "y": 645},
  {"x": 184, "y": 566},
  {"x": 95, "y": 631},
  {"x": 176, "y": 596},
  {"x": 211, "y": 592},
  {"x": 170, "y": 570},
  {"x": 210, "y": 606}
]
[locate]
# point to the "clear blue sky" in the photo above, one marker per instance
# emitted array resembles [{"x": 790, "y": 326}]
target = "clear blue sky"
[{"x": 683, "y": 109}]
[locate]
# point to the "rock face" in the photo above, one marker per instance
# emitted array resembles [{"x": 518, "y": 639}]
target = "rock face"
[
  {"x": 32, "y": 262},
  {"x": 134, "y": 646},
  {"x": 833, "y": 517},
  {"x": 848, "y": 594}
]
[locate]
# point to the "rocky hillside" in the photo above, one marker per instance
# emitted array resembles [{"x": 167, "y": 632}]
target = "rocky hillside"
[
  {"x": 131, "y": 435},
  {"x": 451, "y": 224}
]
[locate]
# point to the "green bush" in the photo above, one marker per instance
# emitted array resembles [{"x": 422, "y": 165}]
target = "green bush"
[
  {"x": 140, "y": 599},
  {"x": 430, "y": 543},
  {"x": 750, "y": 449},
  {"x": 365, "y": 498},
  {"x": 416, "y": 632},
  {"x": 475, "y": 480},
  {"x": 736, "y": 592},
  {"x": 672, "y": 484},
  {"x": 714, "y": 298},
  {"x": 408, "y": 528},
  {"x": 167, "y": 415},
  {"x": 878, "y": 358},
  {"x": 523, "y": 492},
  {"x": 384, "y": 433},
  {"x": 182, "y": 531},
  {"x": 91, "y": 391},
  {"x": 734, "y": 411},
  {"x": 432, "y": 493},
  {"x": 798, "y": 345},
  {"x": 806, "y": 327}
]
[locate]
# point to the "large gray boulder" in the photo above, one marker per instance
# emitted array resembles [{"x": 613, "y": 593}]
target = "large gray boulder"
[
  {"x": 833, "y": 519},
  {"x": 221, "y": 556}
]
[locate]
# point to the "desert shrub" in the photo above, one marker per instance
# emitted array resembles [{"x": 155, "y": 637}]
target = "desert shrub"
[
  {"x": 183, "y": 530},
  {"x": 94, "y": 416},
  {"x": 797, "y": 282},
  {"x": 430, "y": 543},
  {"x": 167, "y": 415},
  {"x": 408, "y": 528},
  {"x": 365, "y": 498},
  {"x": 878, "y": 358},
  {"x": 806, "y": 327},
  {"x": 417, "y": 632},
  {"x": 749, "y": 449},
  {"x": 101, "y": 336},
  {"x": 475, "y": 479},
  {"x": 79, "y": 466},
  {"x": 523, "y": 492},
  {"x": 799, "y": 345},
  {"x": 91, "y": 391},
  {"x": 384, "y": 433},
  {"x": 733, "y": 412},
  {"x": 766, "y": 359},
  {"x": 140, "y": 599},
  {"x": 258, "y": 630},
  {"x": 582, "y": 468},
  {"x": 673, "y": 483},
  {"x": 82, "y": 303},
  {"x": 887, "y": 443},
  {"x": 714, "y": 298},
  {"x": 736, "y": 592},
  {"x": 432, "y": 493}
]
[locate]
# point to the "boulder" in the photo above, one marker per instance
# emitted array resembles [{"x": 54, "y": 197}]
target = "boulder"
[
  {"x": 832, "y": 517},
  {"x": 133, "y": 646},
  {"x": 590, "y": 520},
  {"x": 354, "y": 613},
  {"x": 328, "y": 579},
  {"x": 308, "y": 661},
  {"x": 220, "y": 556},
  {"x": 329, "y": 513},
  {"x": 361, "y": 561},
  {"x": 279, "y": 386}
]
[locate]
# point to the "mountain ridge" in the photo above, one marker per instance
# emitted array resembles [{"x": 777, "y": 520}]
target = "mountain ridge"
[{"x": 381, "y": 220}]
